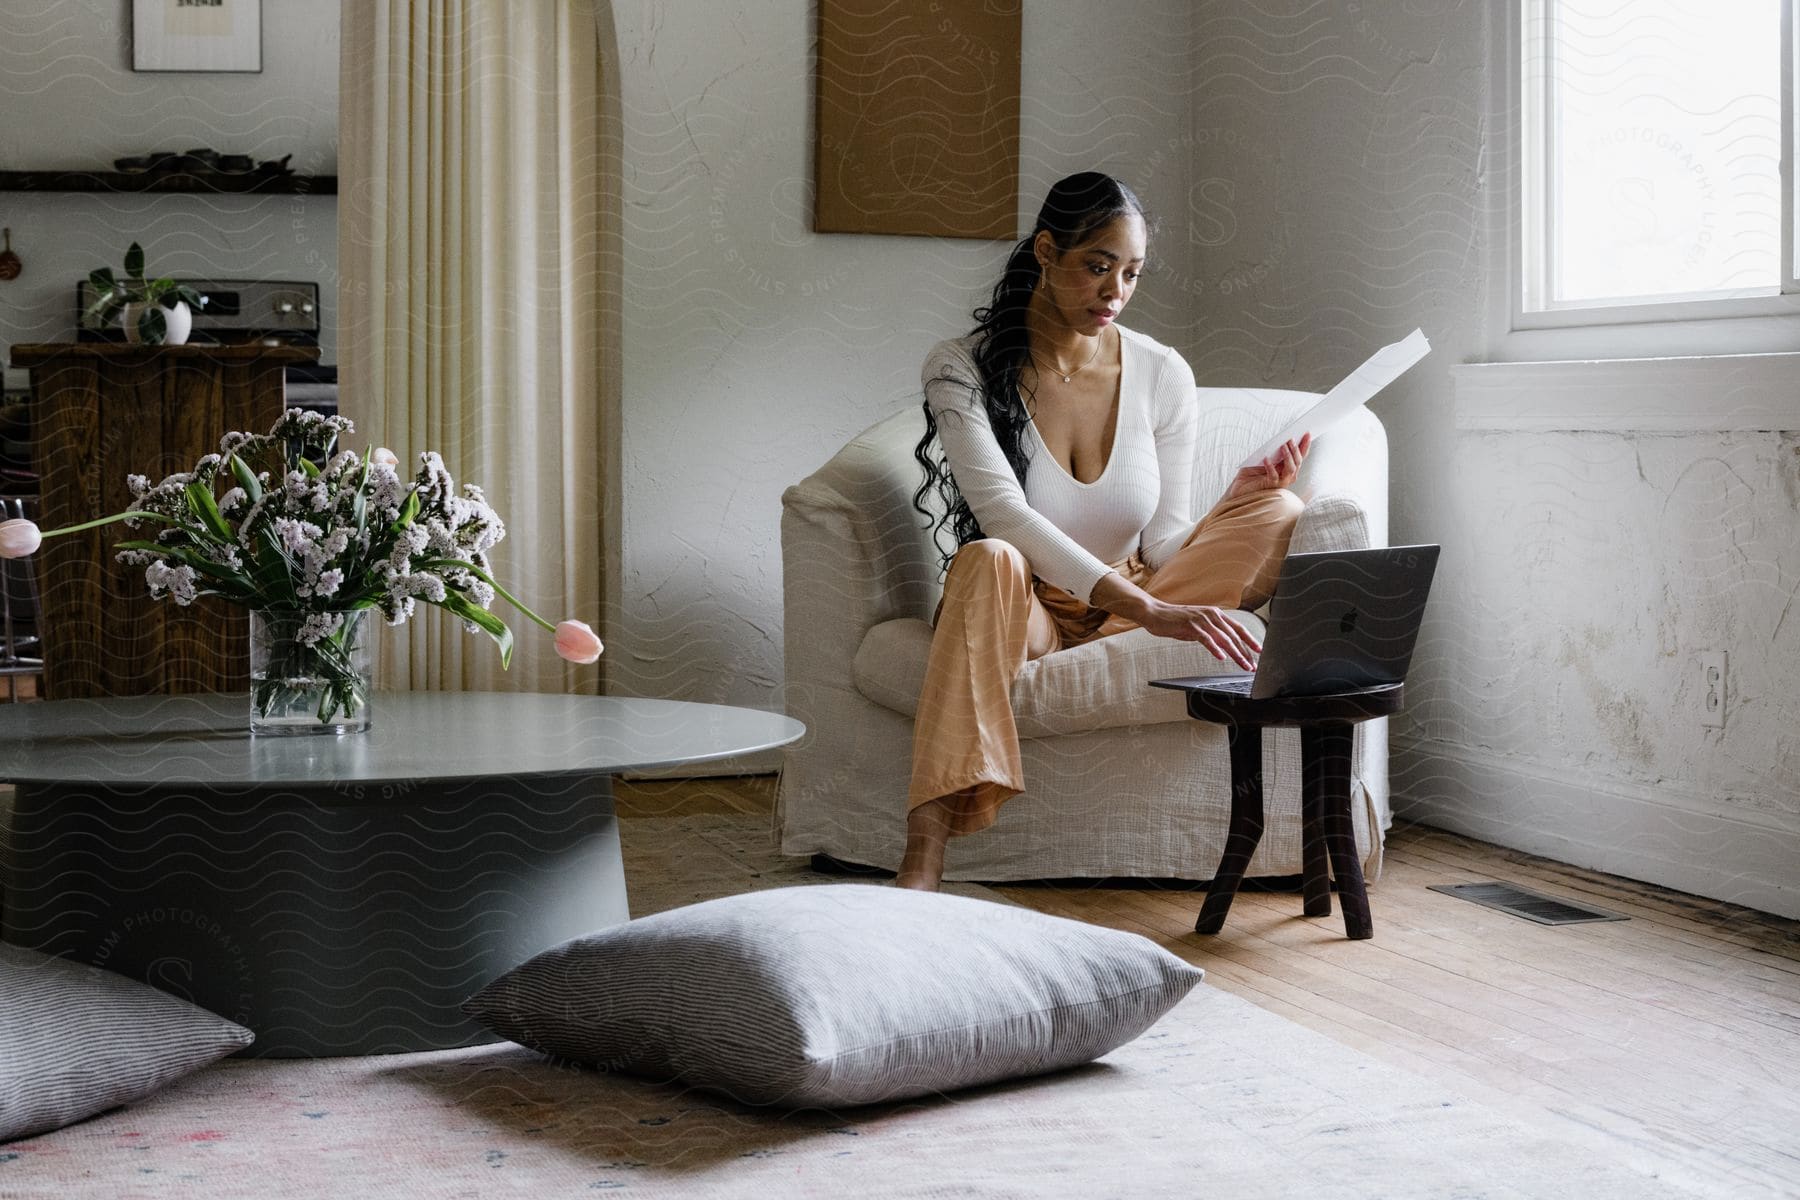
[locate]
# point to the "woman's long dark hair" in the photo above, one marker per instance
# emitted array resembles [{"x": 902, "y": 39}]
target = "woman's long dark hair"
[{"x": 1076, "y": 208}]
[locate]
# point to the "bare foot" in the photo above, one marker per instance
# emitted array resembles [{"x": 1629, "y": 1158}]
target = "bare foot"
[{"x": 927, "y": 833}]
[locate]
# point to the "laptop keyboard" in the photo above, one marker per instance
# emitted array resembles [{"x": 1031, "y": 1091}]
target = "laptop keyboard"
[{"x": 1237, "y": 687}]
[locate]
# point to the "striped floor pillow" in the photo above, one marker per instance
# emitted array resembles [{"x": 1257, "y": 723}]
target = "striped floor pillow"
[
  {"x": 834, "y": 995},
  {"x": 76, "y": 1040}
]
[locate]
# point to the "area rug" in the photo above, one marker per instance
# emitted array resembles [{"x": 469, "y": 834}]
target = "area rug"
[{"x": 1219, "y": 1099}]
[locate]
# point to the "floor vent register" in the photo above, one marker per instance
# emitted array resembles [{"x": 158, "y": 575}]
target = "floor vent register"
[{"x": 1522, "y": 902}]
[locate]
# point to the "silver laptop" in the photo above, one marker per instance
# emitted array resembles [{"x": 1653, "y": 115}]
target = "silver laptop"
[{"x": 1341, "y": 621}]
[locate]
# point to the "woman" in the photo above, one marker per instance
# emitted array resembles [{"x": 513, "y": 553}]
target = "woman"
[{"x": 1063, "y": 445}]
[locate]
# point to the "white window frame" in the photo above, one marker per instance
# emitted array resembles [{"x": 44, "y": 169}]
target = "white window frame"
[{"x": 1720, "y": 326}]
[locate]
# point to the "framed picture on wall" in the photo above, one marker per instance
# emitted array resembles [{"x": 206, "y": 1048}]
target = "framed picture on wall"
[
  {"x": 917, "y": 128},
  {"x": 196, "y": 35}
]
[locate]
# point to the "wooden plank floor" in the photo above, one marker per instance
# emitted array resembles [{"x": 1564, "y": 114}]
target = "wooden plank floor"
[
  {"x": 691, "y": 797},
  {"x": 1679, "y": 1028}
]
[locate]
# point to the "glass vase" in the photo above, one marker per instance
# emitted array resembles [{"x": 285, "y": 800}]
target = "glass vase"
[{"x": 309, "y": 672}]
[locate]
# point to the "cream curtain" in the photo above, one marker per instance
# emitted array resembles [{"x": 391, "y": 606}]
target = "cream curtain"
[{"x": 471, "y": 297}]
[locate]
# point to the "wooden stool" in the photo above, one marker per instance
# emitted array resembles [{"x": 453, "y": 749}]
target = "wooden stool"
[{"x": 1328, "y": 840}]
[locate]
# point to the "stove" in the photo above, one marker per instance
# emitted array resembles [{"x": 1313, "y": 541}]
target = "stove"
[{"x": 239, "y": 311}]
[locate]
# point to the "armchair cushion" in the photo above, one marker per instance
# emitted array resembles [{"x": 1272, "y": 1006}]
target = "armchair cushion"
[
  {"x": 1097, "y": 686},
  {"x": 1331, "y": 523}
]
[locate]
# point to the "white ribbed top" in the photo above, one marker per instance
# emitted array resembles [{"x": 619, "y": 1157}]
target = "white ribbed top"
[{"x": 1068, "y": 530}]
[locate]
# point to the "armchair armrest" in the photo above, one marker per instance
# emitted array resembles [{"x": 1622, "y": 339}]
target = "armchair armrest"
[
  {"x": 854, "y": 551},
  {"x": 1345, "y": 484}
]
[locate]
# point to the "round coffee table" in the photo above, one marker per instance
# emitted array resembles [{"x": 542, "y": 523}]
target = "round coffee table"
[{"x": 337, "y": 895}]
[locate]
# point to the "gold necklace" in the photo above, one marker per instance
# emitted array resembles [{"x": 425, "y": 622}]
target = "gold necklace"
[{"x": 1078, "y": 370}]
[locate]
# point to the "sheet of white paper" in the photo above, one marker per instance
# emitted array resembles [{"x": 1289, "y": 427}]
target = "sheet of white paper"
[{"x": 1383, "y": 367}]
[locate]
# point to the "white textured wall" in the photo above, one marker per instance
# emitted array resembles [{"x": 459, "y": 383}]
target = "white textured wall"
[
  {"x": 69, "y": 99},
  {"x": 1341, "y": 201},
  {"x": 754, "y": 348}
]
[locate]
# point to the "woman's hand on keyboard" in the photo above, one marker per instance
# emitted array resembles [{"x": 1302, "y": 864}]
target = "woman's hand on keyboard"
[{"x": 1211, "y": 627}]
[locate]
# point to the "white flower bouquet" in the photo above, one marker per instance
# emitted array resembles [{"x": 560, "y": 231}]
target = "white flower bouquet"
[{"x": 310, "y": 538}]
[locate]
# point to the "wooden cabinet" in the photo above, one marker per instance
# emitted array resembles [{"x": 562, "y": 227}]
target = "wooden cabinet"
[{"x": 101, "y": 413}]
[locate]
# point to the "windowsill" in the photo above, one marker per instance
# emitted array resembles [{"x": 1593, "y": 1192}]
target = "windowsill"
[
  {"x": 1728, "y": 330},
  {"x": 1714, "y": 393}
]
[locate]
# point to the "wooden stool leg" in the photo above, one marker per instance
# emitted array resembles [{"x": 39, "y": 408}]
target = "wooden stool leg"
[
  {"x": 1332, "y": 743},
  {"x": 1313, "y": 857},
  {"x": 1246, "y": 826}
]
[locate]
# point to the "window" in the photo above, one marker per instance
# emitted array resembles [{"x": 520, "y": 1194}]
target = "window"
[{"x": 1656, "y": 153}]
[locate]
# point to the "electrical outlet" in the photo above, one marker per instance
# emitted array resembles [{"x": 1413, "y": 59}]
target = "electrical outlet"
[{"x": 1712, "y": 689}]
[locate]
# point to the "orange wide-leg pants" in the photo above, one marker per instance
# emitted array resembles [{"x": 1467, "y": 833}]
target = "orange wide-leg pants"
[{"x": 996, "y": 616}]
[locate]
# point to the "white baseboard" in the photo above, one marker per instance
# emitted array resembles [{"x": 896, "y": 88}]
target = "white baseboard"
[{"x": 1644, "y": 833}]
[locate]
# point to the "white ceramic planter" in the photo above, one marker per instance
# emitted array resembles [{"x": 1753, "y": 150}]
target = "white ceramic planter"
[{"x": 178, "y": 321}]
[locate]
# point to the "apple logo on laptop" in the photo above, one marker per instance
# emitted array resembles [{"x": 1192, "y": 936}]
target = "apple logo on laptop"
[{"x": 1347, "y": 623}]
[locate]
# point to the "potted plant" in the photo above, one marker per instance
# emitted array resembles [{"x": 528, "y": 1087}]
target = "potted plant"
[{"x": 153, "y": 311}]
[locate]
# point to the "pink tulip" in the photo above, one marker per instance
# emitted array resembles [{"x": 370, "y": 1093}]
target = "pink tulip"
[
  {"x": 576, "y": 642},
  {"x": 19, "y": 537},
  {"x": 385, "y": 457}
]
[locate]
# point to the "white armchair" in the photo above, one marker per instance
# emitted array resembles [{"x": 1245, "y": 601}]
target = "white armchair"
[{"x": 1119, "y": 780}]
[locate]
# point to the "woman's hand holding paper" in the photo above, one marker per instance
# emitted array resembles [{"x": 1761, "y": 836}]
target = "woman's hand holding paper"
[{"x": 1278, "y": 470}]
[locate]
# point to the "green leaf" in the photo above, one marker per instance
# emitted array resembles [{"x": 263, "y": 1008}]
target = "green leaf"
[
  {"x": 134, "y": 261},
  {"x": 459, "y": 604},
  {"x": 310, "y": 467},
  {"x": 439, "y": 565},
  {"x": 357, "y": 567},
  {"x": 246, "y": 478},
  {"x": 206, "y": 508},
  {"x": 153, "y": 327},
  {"x": 408, "y": 511},
  {"x": 190, "y": 297},
  {"x": 106, "y": 295},
  {"x": 272, "y": 570}
]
